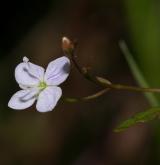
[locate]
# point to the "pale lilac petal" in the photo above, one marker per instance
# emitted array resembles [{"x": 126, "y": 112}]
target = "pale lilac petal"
[
  {"x": 48, "y": 99},
  {"x": 23, "y": 86},
  {"x": 23, "y": 99},
  {"x": 57, "y": 71},
  {"x": 29, "y": 74}
]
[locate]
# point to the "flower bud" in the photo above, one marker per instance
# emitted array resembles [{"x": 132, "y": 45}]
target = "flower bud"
[
  {"x": 25, "y": 59},
  {"x": 67, "y": 45}
]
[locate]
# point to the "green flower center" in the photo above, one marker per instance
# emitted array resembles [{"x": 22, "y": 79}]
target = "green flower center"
[{"x": 42, "y": 85}]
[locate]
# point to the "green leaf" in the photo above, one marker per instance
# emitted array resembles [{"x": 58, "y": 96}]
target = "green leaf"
[
  {"x": 140, "y": 117},
  {"x": 137, "y": 72}
]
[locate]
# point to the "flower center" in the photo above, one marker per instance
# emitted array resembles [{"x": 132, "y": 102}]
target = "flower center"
[{"x": 42, "y": 85}]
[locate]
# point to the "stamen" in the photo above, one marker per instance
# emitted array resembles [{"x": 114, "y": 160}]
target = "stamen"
[{"x": 42, "y": 85}]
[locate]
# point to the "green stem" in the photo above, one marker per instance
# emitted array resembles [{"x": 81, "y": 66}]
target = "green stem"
[
  {"x": 102, "y": 81},
  {"x": 106, "y": 83},
  {"x": 132, "y": 88},
  {"x": 87, "y": 98},
  {"x": 137, "y": 72}
]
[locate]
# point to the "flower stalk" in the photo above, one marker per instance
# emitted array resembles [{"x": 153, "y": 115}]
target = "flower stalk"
[
  {"x": 87, "y": 98},
  {"x": 102, "y": 82}
]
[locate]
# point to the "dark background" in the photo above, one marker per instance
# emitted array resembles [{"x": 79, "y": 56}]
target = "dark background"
[{"x": 80, "y": 133}]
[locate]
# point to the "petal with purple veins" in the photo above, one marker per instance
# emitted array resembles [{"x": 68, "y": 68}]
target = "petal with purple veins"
[
  {"x": 48, "y": 99},
  {"x": 57, "y": 71},
  {"x": 29, "y": 74},
  {"x": 23, "y": 99}
]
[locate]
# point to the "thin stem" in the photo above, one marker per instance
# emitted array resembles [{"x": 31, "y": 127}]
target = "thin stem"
[
  {"x": 82, "y": 70},
  {"x": 132, "y": 88},
  {"x": 138, "y": 75},
  {"x": 106, "y": 83},
  {"x": 87, "y": 98},
  {"x": 69, "y": 48}
]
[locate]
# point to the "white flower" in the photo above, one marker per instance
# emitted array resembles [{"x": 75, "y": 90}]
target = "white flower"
[{"x": 38, "y": 84}]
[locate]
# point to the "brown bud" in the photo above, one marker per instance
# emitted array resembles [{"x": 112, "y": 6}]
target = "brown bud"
[{"x": 67, "y": 45}]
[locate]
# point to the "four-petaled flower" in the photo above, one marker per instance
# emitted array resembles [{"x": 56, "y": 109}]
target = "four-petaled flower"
[{"x": 38, "y": 84}]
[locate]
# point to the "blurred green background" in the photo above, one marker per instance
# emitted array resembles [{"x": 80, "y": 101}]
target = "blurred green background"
[{"x": 81, "y": 133}]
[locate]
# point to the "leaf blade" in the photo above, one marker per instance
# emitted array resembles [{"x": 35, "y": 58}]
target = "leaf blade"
[
  {"x": 137, "y": 72},
  {"x": 140, "y": 117}
]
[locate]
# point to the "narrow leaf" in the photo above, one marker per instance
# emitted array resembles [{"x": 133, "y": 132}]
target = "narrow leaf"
[
  {"x": 140, "y": 117},
  {"x": 137, "y": 73}
]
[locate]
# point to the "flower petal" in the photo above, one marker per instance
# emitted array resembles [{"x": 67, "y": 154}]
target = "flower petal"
[
  {"x": 28, "y": 74},
  {"x": 48, "y": 99},
  {"x": 23, "y": 99},
  {"x": 57, "y": 71}
]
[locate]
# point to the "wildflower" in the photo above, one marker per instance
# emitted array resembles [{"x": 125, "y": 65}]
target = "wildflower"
[{"x": 38, "y": 84}]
